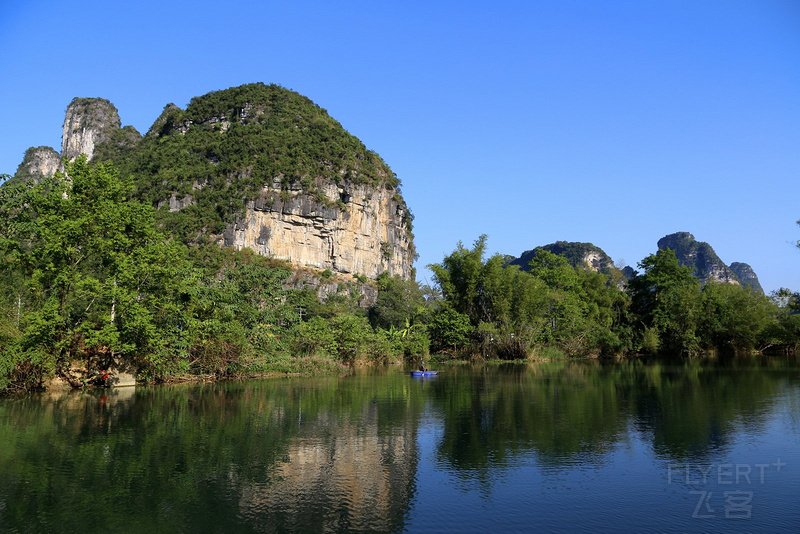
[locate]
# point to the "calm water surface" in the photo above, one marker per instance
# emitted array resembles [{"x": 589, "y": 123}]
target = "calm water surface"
[{"x": 694, "y": 446}]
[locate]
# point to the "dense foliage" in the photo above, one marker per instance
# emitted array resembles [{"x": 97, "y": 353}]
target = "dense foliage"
[
  {"x": 555, "y": 309},
  {"x": 89, "y": 283},
  {"x": 227, "y": 145}
]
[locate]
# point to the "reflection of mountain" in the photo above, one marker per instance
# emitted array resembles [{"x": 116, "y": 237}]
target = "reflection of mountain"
[
  {"x": 342, "y": 454},
  {"x": 337, "y": 476},
  {"x": 298, "y": 455}
]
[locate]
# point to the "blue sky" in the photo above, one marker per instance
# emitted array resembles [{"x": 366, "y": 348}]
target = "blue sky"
[{"x": 611, "y": 122}]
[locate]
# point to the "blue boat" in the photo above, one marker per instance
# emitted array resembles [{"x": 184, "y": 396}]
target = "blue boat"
[{"x": 424, "y": 373}]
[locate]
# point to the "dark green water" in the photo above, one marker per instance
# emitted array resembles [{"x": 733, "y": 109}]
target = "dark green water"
[{"x": 582, "y": 446}]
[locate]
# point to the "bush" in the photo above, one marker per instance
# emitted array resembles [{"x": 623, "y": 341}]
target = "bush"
[
  {"x": 416, "y": 344},
  {"x": 551, "y": 353},
  {"x": 650, "y": 341},
  {"x": 351, "y": 335},
  {"x": 385, "y": 348},
  {"x": 449, "y": 330},
  {"x": 313, "y": 337}
]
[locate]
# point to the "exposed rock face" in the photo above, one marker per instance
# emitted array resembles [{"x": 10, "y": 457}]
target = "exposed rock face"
[
  {"x": 699, "y": 256},
  {"x": 367, "y": 237},
  {"x": 597, "y": 261},
  {"x": 628, "y": 272},
  {"x": 747, "y": 277},
  {"x": 88, "y": 122},
  {"x": 40, "y": 162},
  {"x": 312, "y": 193}
]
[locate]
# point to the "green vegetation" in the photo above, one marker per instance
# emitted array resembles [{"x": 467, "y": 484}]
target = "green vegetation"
[
  {"x": 495, "y": 310},
  {"x": 97, "y": 272},
  {"x": 222, "y": 150},
  {"x": 678, "y": 315},
  {"x": 574, "y": 253},
  {"x": 89, "y": 283}
]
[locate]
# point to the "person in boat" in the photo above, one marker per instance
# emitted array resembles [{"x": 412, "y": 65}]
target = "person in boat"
[{"x": 422, "y": 367}]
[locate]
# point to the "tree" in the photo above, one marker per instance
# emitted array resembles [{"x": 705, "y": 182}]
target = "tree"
[
  {"x": 449, "y": 329},
  {"x": 585, "y": 313},
  {"x": 665, "y": 299},
  {"x": 97, "y": 274},
  {"x": 400, "y": 302},
  {"x": 459, "y": 277},
  {"x": 733, "y": 318},
  {"x": 511, "y": 311}
]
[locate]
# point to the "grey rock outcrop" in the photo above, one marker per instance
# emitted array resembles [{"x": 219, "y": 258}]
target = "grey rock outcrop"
[
  {"x": 747, "y": 276},
  {"x": 88, "y": 122},
  {"x": 337, "y": 285},
  {"x": 628, "y": 272},
  {"x": 368, "y": 236},
  {"x": 698, "y": 255},
  {"x": 584, "y": 255},
  {"x": 39, "y": 162}
]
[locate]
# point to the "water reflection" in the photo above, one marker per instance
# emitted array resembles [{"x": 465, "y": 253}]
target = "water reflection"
[
  {"x": 563, "y": 413},
  {"x": 303, "y": 455},
  {"x": 357, "y": 453},
  {"x": 575, "y": 412}
]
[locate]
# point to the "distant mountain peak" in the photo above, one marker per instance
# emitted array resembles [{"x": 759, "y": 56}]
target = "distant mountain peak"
[
  {"x": 746, "y": 275},
  {"x": 705, "y": 263},
  {"x": 584, "y": 255}
]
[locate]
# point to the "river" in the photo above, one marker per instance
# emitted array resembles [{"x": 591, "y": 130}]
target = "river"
[{"x": 686, "y": 446}]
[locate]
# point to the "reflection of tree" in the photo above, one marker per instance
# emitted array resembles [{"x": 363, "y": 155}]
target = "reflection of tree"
[
  {"x": 566, "y": 413},
  {"x": 690, "y": 411},
  {"x": 557, "y": 411},
  {"x": 325, "y": 453},
  {"x": 317, "y": 454}
]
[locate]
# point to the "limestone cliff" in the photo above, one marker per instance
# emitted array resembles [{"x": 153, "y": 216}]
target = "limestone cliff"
[
  {"x": 40, "y": 162},
  {"x": 88, "y": 122},
  {"x": 747, "y": 276},
  {"x": 255, "y": 166},
  {"x": 699, "y": 256},
  {"x": 261, "y": 167},
  {"x": 365, "y": 236}
]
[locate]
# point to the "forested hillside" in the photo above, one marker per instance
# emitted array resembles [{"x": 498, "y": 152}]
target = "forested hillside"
[{"x": 91, "y": 286}]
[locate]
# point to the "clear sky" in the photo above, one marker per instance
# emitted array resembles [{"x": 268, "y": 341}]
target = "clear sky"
[{"x": 611, "y": 122}]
